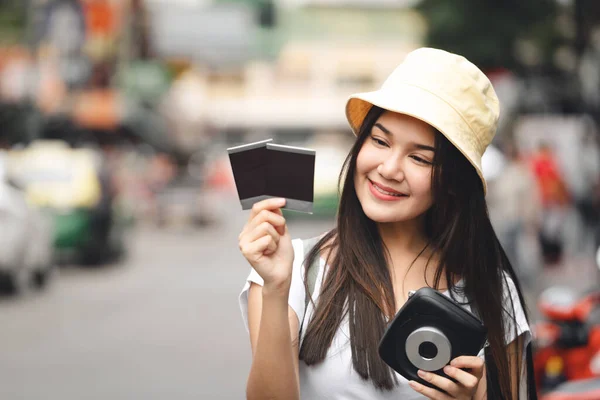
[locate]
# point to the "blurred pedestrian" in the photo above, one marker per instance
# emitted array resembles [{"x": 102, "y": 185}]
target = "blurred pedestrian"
[
  {"x": 412, "y": 214},
  {"x": 515, "y": 211},
  {"x": 588, "y": 200},
  {"x": 556, "y": 200}
]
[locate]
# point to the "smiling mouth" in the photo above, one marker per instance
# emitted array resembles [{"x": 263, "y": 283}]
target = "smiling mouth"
[{"x": 386, "y": 192}]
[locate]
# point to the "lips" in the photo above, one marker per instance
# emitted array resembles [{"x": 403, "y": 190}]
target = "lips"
[{"x": 387, "y": 189}]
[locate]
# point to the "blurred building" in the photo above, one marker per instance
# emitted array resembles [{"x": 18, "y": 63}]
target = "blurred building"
[{"x": 289, "y": 71}]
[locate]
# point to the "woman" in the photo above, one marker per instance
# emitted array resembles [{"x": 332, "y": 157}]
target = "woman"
[{"x": 412, "y": 213}]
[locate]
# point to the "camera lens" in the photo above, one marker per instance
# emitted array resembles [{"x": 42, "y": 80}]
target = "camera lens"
[{"x": 428, "y": 350}]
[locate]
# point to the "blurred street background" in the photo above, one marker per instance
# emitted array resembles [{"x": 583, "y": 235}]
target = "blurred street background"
[{"x": 119, "y": 216}]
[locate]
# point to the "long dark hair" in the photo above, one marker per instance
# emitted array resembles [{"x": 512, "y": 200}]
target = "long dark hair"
[{"x": 358, "y": 283}]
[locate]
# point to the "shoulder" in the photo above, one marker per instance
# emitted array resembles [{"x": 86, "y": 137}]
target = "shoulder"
[
  {"x": 298, "y": 245},
  {"x": 327, "y": 250},
  {"x": 509, "y": 289},
  {"x": 306, "y": 244},
  {"x": 301, "y": 247},
  {"x": 515, "y": 317}
]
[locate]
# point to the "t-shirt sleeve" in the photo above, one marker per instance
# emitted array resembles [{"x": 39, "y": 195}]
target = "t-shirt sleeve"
[
  {"x": 515, "y": 323},
  {"x": 297, "y": 291}
]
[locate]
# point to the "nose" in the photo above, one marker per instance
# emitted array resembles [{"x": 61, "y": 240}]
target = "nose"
[{"x": 391, "y": 169}]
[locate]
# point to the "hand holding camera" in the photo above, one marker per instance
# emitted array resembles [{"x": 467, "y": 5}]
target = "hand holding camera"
[
  {"x": 266, "y": 244},
  {"x": 465, "y": 373},
  {"x": 433, "y": 342}
]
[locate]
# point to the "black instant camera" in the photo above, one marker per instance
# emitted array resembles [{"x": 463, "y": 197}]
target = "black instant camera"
[{"x": 427, "y": 333}]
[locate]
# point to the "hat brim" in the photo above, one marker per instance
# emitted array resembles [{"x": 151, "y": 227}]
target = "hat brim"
[{"x": 425, "y": 106}]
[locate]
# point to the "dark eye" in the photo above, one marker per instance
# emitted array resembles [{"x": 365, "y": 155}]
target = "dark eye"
[
  {"x": 378, "y": 142},
  {"x": 420, "y": 160}
]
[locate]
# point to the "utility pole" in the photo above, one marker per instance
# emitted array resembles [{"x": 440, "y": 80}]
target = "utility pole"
[{"x": 580, "y": 28}]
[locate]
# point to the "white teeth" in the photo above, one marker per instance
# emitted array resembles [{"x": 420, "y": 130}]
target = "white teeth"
[{"x": 384, "y": 192}]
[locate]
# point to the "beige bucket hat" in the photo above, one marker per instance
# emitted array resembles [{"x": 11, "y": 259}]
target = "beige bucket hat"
[{"x": 444, "y": 90}]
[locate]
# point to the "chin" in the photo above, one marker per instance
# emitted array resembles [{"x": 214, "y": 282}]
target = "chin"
[
  {"x": 381, "y": 215},
  {"x": 386, "y": 213}
]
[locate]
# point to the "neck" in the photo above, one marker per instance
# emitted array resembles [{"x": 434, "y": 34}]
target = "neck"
[
  {"x": 405, "y": 236},
  {"x": 404, "y": 240}
]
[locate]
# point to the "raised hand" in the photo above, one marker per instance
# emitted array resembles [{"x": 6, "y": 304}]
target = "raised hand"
[{"x": 266, "y": 244}]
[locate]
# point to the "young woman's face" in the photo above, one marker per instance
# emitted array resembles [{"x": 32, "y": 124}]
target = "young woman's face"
[{"x": 394, "y": 169}]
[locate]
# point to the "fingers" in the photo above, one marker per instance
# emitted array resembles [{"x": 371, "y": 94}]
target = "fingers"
[
  {"x": 266, "y": 223},
  {"x": 277, "y": 221},
  {"x": 464, "y": 378},
  {"x": 278, "y": 211},
  {"x": 268, "y": 204},
  {"x": 466, "y": 381},
  {"x": 264, "y": 229},
  {"x": 253, "y": 251},
  {"x": 473, "y": 364},
  {"x": 431, "y": 393},
  {"x": 441, "y": 382},
  {"x": 262, "y": 212}
]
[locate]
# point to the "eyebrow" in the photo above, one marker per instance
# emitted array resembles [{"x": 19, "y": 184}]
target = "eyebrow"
[{"x": 417, "y": 145}]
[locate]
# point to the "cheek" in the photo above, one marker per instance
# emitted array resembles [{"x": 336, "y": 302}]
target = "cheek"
[
  {"x": 361, "y": 161},
  {"x": 366, "y": 160},
  {"x": 422, "y": 184}
]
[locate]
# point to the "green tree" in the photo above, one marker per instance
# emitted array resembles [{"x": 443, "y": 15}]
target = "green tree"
[
  {"x": 13, "y": 19},
  {"x": 487, "y": 31}
]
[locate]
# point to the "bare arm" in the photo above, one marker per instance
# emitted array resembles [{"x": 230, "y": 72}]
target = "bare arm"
[
  {"x": 265, "y": 242},
  {"x": 273, "y": 329}
]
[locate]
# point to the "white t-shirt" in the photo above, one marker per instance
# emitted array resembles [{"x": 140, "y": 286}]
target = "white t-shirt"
[{"x": 335, "y": 378}]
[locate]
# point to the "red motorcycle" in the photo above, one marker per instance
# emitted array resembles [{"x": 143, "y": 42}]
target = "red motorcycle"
[
  {"x": 567, "y": 345},
  {"x": 587, "y": 389}
]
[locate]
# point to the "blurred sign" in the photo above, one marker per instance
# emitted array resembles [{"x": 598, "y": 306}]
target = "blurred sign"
[
  {"x": 186, "y": 3},
  {"x": 361, "y": 3},
  {"x": 55, "y": 175},
  {"x": 145, "y": 80},
  {"x": 217, "y": 35}
]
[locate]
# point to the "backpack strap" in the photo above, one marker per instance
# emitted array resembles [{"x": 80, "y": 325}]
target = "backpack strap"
[
  {"x": 312, "y": 272},
  {"x": 313, "y": 269}
]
